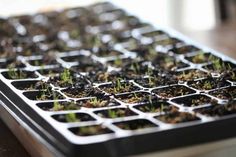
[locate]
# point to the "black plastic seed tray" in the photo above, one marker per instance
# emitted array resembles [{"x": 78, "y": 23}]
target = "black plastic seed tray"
[{"x": 98, "y": 81}]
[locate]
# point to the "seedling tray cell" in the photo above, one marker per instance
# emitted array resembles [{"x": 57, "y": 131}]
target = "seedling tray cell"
[{"x": 97, "y": 81}]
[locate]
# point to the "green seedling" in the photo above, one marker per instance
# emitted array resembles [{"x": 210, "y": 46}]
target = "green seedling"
[
  {"x": 36, "y": 63},
  {"x": 47, "y": 93},
  {"x": 152, "y": 53},
  {"x": 152, "y": 108},
  {"x": 42, "y": 96},
  {"x": 96, "y": 41},
  {"x": 57, "y": 106},
  {"x": 229, "y": 66},
  {"x": 12, "y": 73},
  {"x": 207, "y": 85},
  {"x": 151, "y": 81},
  {"x": 186, "y": 76},
  {"x": 95, "y": 101},
  {"x": 162, "y": 107},
  {"x": 66, "y": 76},
  {"x": 168, "y": 60},
  {"x": 136, "y": 96},
  {"x": 217, "y": 64},
  {"x": 118, "y": 62},
  {"x": 233, "y": 75},
  {"x": 199, "y": 58},
  {"x": 119, "y": 86},
  {"x": 72, "y": 106},
  {"x": 71, "y": 117},
  {"x": 75, "y": 33},
  {"x": 89, "y": 130},
  {"x": 16, "y": 74},
  {"x": 181, "y": 92},
  {"x": 135, "y": 67},
  {"x": 112, "y": 113},
  {"x": 149, "y": 72},
  {"x": 41, "y": 68}
]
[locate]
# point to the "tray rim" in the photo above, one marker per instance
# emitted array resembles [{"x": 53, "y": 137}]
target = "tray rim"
[{"x": 187, "y": 40}]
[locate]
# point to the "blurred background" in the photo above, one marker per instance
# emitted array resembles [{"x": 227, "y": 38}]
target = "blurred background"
[
  {"x": 206, "y": 21},
  {"x": 184, "y": 14}
]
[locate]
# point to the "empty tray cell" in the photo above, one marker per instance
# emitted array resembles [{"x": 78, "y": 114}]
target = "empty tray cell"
[
  {"x": 135, "y": 124},
  {"x": 107, "y": 53},
  {"x": 208, "y": 84},
  {"x": 155, "y": 81},
  {"x": 155, "y": 35},
  {"x": 135, "y": 69},
  {"x": 46, "y": 60},
  {"x": 146, "y": 52},
  {"x": 95, "y": 41},
  {"x": 18, "y": 74},
  {"x": 131, "y": 22},
  {"x": 115, "y": 113},
  {"x": 6, "y": 25},
  {"x": 43, "y": 95},
  {"x": 184, "y": 49},
  {"x": 50, "y": 71},
  {"x": 119, "y": 62},
  {"x": 224, "y": 93},
  {"x": 153, "y": 106},
  {"x": 135, "y": 97},
  {"x": 218, "y": 110},
  {"x": 111, "y": 16},
  {"x": 219, "y": 66},
  {"x": 173, "y": 91},
  {"x": 58, "y": 106},
  {"x": 130, "y": 44},
  {"x": 190, "y": 75},
  {"x": 16, "y": 46},
  {"x": 166, "y": 62},
  {"x": 96, "y": 102},
  {"x": 82, "y": 91},
  {"x": 73, "y": 117},
  {"x": 67, "y": 78},
  {"x": 102, "y": 77},
  {"x": 32, "y": 28},
  {"x": 173, "y": 116},
  {"x": 167, "y": 42},
  {"x": 90, "y": 130},
  {"x": 194, "y": 100},
  {"x": 88, "y": 67},
  {"x": 77, "y": 58},
  {"x": 200, "y": 58},
  {"x": 118, "y": 87},
  {"x": 11, "y": 63},
  {"x": 99, "y": 8},
  {"x": 119, "y": 37},
  {"x": 30, "y": 85}
]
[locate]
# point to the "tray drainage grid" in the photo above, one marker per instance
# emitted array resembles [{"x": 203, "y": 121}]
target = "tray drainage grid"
[{"x": 97, "y": 73}]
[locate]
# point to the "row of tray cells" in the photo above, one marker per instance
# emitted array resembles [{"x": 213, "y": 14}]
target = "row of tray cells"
[
  {"x": 179, "y": 91},
  {"x": 82, "y": 63},
  {"x": 168, "y": 114},
  {"x": 202, "y": 83}
]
